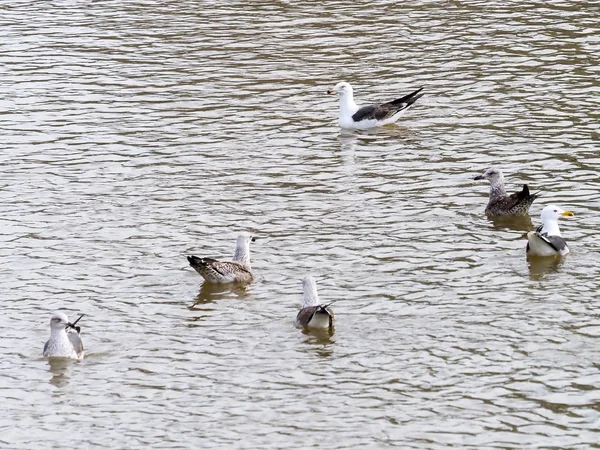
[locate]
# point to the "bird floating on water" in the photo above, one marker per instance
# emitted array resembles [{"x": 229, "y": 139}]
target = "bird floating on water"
[
  {"x": 502, "y": 204},
  {"x": 547, "y": 240},
  {"x": 236, "y": 271},
  {"x": 376, "y": 115},
  {"x": 313, "y": 314},
  {"x": 64, "y": 339}
]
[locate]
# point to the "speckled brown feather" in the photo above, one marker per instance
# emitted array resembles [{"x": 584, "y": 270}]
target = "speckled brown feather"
[
  {"x": 214, "y": 271},
  {"x": 516, "y": 204}
]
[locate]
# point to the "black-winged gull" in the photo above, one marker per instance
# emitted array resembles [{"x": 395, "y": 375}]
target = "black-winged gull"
[
  {"x": 547, "y": 240},
  {"x": 502, "y": 204},
  {"x": 64, "y": 339},
  {"x": 313, "y": 314},
  {"x": 236, "y": 271},
  {"x": 376, "y": 115}
]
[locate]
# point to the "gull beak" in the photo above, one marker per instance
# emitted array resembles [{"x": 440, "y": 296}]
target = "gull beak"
[
  {"x": 567, "y": 214},
  {"x": 331, "y": 91},
  {"x": 478, "y": 177}
]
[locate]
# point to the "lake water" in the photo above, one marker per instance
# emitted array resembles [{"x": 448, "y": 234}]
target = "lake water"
[{"x": 136, "y": 133}]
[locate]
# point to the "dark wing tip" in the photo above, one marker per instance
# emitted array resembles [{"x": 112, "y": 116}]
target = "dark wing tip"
[
  {"x": 414, "y": 96},
  {"x": 407, "y": 100},
  {"x": 75, "y": 323},
  {"x": 526, "y": 193},
  {"x": 194, "y": 260}
]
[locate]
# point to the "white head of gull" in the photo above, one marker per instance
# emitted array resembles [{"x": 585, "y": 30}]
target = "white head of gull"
[
  {"x": 370, "y": 116},
  {"x": 547, "y": 240}
]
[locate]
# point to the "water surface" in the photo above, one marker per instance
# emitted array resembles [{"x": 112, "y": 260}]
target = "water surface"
[{"x": 135, "y": 133}]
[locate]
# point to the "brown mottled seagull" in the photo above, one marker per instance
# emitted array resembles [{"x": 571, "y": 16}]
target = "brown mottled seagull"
[
  {"x": 502, "y": 204},
  {"x": 370, "y": 116},
  {"x": 236, "y": 271},
  {"x": 313, "y": 314}
]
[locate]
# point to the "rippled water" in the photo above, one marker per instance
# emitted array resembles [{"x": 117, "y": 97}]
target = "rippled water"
[{"x": 135, "y": 133}]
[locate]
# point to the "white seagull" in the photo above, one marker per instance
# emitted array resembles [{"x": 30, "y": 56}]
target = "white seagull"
[
  {"x": 546, "y": 240},
  {"x": 64, "y": 339},
  {"x": 313, "y": 314},
  {"x": 376, "y": 115},
  {"x": 236, "y": 271}
]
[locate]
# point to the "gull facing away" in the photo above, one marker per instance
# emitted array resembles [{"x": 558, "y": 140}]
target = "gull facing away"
[
  {"x": 502, "y": 204},
  {"x": 546, "y": 240},
  {"x": 376, "y": 115},
  {"x": 64, "y": 339},
  {"x": 236, "y": 271},
  {"x": 313, "y": 314}
]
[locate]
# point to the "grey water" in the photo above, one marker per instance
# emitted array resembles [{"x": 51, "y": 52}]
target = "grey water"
[{"x": 133, "y": 134}]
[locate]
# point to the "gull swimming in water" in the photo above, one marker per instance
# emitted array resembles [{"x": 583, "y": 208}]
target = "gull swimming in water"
[
  {"x": 235, "y": 271},
  {"x": 546, "y": 240},
  {"x": 376, "y": 115},
  {"x": 313, "y": 314},
  {"x": 64, "y": 339},
  {"x": 502, "y": 204}
]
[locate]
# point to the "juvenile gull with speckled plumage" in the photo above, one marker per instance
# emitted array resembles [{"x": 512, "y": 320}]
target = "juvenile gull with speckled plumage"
[
  {"x": 313, "y": 314},
  {"x": 370, "y": 116},
  {"x": 236, "y": 271},
  {"x": 64, "y": 339},
  {"x": 502, "y": 204}
]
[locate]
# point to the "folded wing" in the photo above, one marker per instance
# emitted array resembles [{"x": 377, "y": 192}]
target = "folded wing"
[{"x": 384, "y": 111}]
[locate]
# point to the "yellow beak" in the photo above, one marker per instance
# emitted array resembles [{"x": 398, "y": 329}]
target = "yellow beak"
[{"x": 567, "y": 214}]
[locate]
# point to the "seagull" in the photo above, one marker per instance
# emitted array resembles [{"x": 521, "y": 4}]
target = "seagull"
[
  {"x": 313, "y": 314},
  {"x": 546, "y": 240},
  {"x": 235, "y": 271},
  {"x": 502, "y": 204},
  {"x": 351, "y": 116},
  {"x": 64, "y": 339}
]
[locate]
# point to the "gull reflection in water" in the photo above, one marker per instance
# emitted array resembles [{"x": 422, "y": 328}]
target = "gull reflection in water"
[
  {"x": 540, "y": 266},
  {"x": 210, "y": 292},
  {"x": 60, "y": 370},
  {"x": 515, "y": 223},
  {"x": 321, "y": 339}
]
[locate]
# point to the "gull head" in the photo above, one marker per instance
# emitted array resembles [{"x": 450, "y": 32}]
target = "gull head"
[
  {"x": 311, "y": 297},
  {"x": 341, "y": 88},
  {"x": 242, "y": 248},
  {"x": 493, "y": 175},
  {"x": 309, "y": 284},
  {"x": 552, "y": 213},
  {"x": 59, "y": 321},
  {"x": 244, "y": 240}
]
